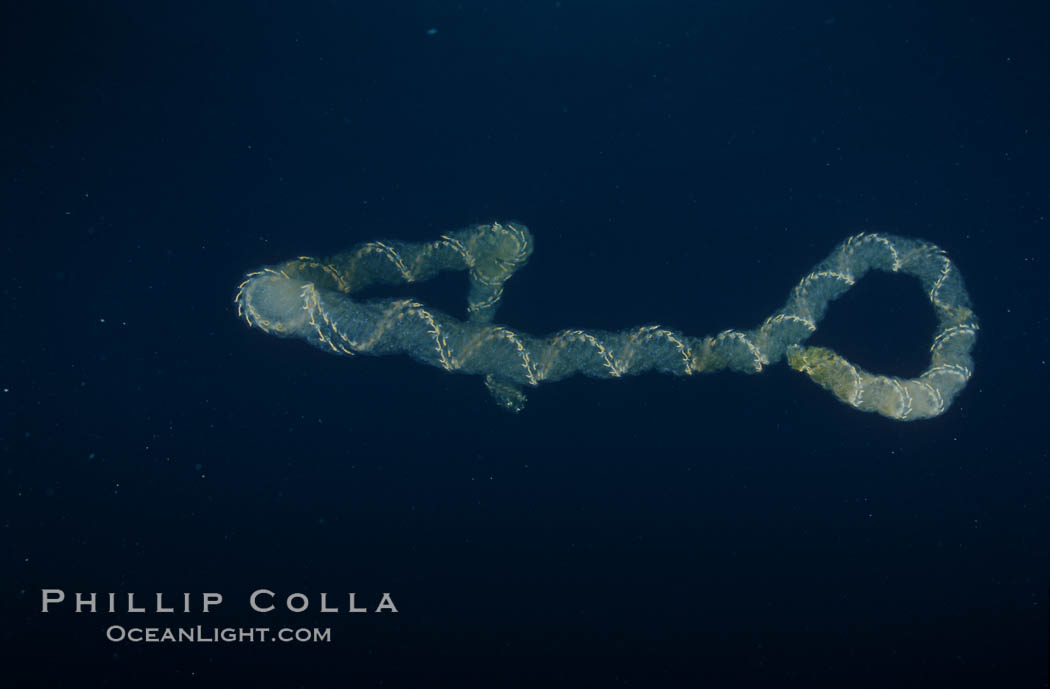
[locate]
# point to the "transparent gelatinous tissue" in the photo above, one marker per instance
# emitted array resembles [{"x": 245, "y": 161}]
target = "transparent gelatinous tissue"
[{"x": 313, "y": 300}]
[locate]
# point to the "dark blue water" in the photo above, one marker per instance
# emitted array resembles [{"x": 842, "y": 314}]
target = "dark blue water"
[{"x": 679, "y": 163}]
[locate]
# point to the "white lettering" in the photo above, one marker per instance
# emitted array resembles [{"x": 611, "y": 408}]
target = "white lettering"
[
  {"x": 131, "y": 606},
  {"x": 387, "y": 604},
  {"x": 211, "y": 599},
  {"x": 160, "y": 604},
  {"x": 88, "y": 603},
  {"x": 297, "y": 596},
  {"x": 49, "y": 596},
  {"x": 255, "y": 598}
]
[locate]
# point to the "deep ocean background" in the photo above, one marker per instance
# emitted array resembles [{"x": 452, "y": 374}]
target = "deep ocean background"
[{"x": 678, "y": 162}]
